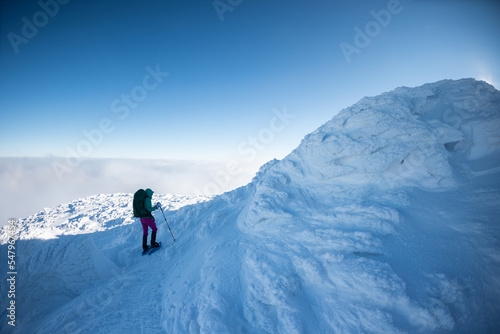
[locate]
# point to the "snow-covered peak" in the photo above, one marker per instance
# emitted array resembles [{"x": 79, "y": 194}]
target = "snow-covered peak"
[
  {"x": 409, "y": 136},
  {"x": 384, "y": 220}
]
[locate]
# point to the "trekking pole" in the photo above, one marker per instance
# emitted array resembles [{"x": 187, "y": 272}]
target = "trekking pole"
[{"x": 167, "y": 223}]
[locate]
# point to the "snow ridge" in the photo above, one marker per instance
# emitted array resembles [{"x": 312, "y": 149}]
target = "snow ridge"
[{"x": 383, "y": 220}]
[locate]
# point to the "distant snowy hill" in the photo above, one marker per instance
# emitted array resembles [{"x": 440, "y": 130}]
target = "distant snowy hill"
[{"x": 383, "y": 220}]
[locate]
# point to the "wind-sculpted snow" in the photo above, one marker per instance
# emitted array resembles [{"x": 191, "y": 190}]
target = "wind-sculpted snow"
[
  {"x": 384, "y": 220},
  {"x": 403, "y": 137}
]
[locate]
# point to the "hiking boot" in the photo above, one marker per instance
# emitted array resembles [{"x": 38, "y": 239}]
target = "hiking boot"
[{"x": 154, "y": 244}]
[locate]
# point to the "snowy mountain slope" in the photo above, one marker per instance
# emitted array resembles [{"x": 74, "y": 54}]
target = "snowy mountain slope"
[
  {"x": 64, "y": 251},
  {"x": 91, "y": 214},
  {"x": 384, "y": 220}
]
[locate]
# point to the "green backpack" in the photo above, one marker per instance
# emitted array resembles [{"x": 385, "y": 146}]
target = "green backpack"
[{"x": 140, "y": 210}]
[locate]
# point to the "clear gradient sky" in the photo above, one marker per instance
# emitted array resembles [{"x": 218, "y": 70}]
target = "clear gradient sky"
[
  {"x": 247, "y": 80},
  {"x": 230, "y": 64}
]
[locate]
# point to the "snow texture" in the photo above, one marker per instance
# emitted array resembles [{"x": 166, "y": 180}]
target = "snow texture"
[{"x": 383, "y": 220}]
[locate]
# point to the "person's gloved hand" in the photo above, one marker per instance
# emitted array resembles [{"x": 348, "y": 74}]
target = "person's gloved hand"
[{"x": 158, "y": 205}]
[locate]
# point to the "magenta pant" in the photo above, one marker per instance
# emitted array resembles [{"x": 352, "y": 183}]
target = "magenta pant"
[{"x": 148, "y": 222}]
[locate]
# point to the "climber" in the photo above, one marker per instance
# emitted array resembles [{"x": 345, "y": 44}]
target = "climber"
[{"x": 143, "y": 209}]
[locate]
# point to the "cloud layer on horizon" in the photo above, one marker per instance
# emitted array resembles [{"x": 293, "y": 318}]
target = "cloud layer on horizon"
[{"x": 28, "y": 185}]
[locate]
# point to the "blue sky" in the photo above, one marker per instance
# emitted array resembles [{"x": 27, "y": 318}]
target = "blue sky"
[
  {"x": 225, "y": 76},
  {"x": 247, "y": 80}
]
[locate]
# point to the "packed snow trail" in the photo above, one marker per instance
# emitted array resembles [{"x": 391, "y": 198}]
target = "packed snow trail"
[{"x": 384, "y": 220}]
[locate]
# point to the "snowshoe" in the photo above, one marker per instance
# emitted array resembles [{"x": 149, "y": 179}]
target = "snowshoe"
[{"x": 154, "y": 249}]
